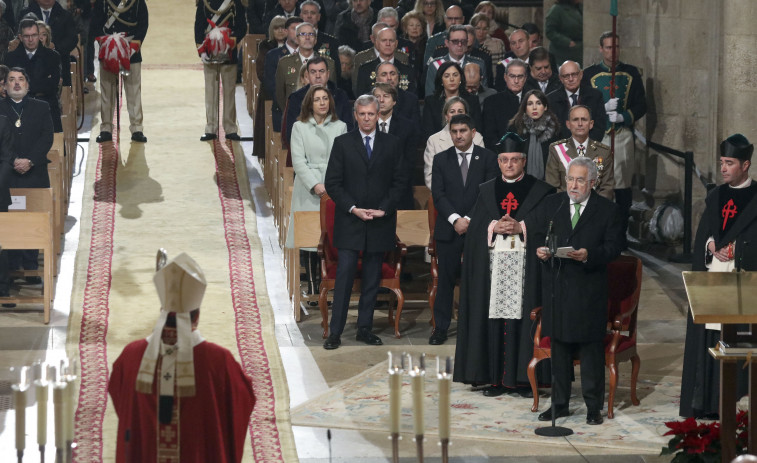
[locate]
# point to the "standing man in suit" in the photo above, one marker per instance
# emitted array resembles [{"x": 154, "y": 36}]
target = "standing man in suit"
[
  {"x": 42, "y": 65},
  {"x": 401, "y": 127},
  {"x": 576, "y": 324},
  {"x": 364, "y": 178},
  {"x": 272, "y": 59},
  {"x": 456, "y": 175},
  {"x": 541, "y": 76},
  {"x": 562, "y": 152},
  {"x": 353, "y": 25},
  {"x": 131, "y": 19},
  {"x": 385, "y": 50},
  {"x": 325, "y": 44},
  {"x": 572, "y": 93},
  {"x": 223, "y": 72},
  {"x": 33, "y": 137},
  {"x": 62, "y": 25},
  {"x": 501, "y": 107}
]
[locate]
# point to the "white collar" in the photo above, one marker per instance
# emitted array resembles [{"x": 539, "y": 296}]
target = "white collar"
[
  {"x": 746, "y": 184},
  {"x": 582, "y": 203},
  {"x": 516, "y": 180},
  {"x": 291, "y": 50},
  {"x": 372, "y": 134},
  {"x": 577, "y": 144},
  {"x": 388, "y": 120},
  {"x": 468, "y": 153}
]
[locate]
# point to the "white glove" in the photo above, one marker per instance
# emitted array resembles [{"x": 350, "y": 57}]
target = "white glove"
[
  {"x": 205, "y": 58},
  {"x": 615, "y": 117},
  {"x": 611, "y": 105}
]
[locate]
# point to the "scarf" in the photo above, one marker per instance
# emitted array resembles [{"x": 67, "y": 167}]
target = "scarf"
[
  {"x": 539, "y": 130},
  {"x": 363, "y": 23}
]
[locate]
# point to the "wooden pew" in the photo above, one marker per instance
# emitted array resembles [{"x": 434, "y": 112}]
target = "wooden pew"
[
  {"x": 55, "y": 171},
  {"x": 32, "y": 228}
]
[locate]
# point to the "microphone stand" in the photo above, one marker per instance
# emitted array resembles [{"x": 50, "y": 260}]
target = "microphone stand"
[{"x": 553, "y": 430}]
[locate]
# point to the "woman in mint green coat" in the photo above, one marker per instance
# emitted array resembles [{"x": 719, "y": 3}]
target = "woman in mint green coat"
[{"x": 312, "y": 137}]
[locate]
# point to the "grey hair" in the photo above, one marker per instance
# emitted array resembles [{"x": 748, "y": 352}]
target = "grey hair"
[
  {"x": 301, "y": 25},
  {"x": 365, "y": 100},
  {"x": 516, "y": 62},
  {"x": 448, "y": 104},
  {"x": 387, "y": 12},
  {"x": 346, "y": 50},
  {"x": 583, "y": 161},
  {"x": 559, "y": 69},
  {"x": 311, "y": 3}
]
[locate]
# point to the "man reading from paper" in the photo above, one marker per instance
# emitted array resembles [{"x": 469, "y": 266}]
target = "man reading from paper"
[
  {"x": 726, "y": 240},
  {"x": 494, "y": 340},
  {"x": 178, "y": 397}
]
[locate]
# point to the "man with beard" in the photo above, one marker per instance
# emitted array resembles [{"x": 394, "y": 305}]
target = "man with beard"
[{"x": 496, "y": 351}]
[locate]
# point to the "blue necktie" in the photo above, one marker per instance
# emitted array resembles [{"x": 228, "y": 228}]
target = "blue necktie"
[
  {"x": 368, "y": 146},
  {"x": 47, "y": 16}
]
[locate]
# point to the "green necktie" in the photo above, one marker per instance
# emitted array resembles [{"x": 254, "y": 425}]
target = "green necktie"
[{"x": 576, "y": 214}]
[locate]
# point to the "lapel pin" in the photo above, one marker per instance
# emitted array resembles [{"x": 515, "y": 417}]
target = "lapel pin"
[{"x": 476, "y": 157}]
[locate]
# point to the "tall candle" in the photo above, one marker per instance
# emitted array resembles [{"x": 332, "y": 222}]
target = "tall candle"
[
  {"x": 19, "y": 398},
  {"x": 417, "y": 374},
  {"x": 70, "y": 402},
  {"x": 445, "y": 382},
  {"x": 41, "y": 393},
  {"x": 59, "y": 396},
  {"x": 395, "y": 396}
]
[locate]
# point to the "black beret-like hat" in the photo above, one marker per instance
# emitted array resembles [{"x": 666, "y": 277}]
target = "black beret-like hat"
[
  {"x": 510, "y": 143},
  {"x": 737, "y": 146}
]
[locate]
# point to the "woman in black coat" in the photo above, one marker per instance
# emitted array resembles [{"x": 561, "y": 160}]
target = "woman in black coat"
[
  {"x": 449, "y": 82},
  {"x": 539, "y": 126}
]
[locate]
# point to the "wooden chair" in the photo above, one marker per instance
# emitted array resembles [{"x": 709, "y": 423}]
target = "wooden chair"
[
  {"x": 391, "y": 268},
  {"x": 624, "y": 280}
]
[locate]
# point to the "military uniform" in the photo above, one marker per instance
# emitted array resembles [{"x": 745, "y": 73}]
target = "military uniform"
[
  {"x": 328, "y": 45},
  {"x": 366, "y": 77},
  {"x": 131, "y": 19},
  {"x": 288, "y": 76},
  {"x": 434, "y": 65},
  {"x": 232, "y": 17},
  {"x": 562, "y": 152},
  {"x": 370, "y": 55}
]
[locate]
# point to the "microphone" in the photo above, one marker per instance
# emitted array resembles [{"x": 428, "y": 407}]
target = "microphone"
[{"x": 550, "y": 240}]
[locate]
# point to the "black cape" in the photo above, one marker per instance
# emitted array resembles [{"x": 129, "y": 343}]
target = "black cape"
[
  {"x": 700, "y": 381},
  {"x": 495, "y": 351}
]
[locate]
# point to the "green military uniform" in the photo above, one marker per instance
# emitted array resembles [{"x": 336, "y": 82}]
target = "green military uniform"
[
  {"x": 562, "y": 152},
  {"x": 288, "y": 76}
]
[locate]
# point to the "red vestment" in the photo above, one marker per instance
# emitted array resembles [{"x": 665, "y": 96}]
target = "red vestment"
[{"x": 210, "y": 426}]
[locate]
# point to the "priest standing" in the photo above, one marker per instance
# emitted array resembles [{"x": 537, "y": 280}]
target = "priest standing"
[
  {"x": 494, "y": 348},
  {"x": 177, "y": 395}
]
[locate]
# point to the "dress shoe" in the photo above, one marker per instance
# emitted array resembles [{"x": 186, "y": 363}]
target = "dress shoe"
[
  {"x": 494, "y": 391},
  {"x": 594, "y": 418},
  {"x": 34, "y": 280},
  {"x": 364, "y": 335},
  {"x": 560, "y": 412},
  {"x": 208, "y": 137},
  {"x": 233, "y": 136},
  {"x": 6, "y": 293},
  {"x": 525, "y": 392},
  {"x": 138, "y": 137},
  {"x": 332, "y": 342},
  {"x": 91, "y": 78},
  {"x": 438, "y": 337},
  {"x": 103, "y": 137}
]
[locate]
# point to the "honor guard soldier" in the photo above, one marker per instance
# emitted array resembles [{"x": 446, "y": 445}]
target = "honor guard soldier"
[
  {"x": 130, "y": 18},
  {"x": 219, "y": 28},
  {"x": 562, "y": 152}
]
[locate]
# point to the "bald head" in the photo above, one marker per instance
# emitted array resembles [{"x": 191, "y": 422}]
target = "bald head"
[
  {"x": 570, "y": 75},
  {"x": 453, "y": 15},
  {"x": 472, "y": 73}
]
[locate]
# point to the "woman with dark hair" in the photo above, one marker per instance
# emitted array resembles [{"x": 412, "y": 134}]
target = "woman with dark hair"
[
  {"x": 539, "y": 126},
  {"x": 312, "y": 137},
  {"x": 449, "y": 82},
  {"x": 433, "y": 13}
]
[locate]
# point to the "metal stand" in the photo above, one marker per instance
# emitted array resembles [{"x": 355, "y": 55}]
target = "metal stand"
[
  {"x": 445, "y": 450},
  {"x": 42, "y": 453},
  {"x": 419, "y": 447},
  {"x": 395, "y": 447},
  {"x": 20, "y": 455}
]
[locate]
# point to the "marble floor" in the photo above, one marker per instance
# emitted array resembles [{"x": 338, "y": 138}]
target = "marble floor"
[{"x": 310, "y": 370}]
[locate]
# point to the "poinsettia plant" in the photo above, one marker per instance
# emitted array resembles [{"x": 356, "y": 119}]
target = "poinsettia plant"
[{"x": 695, "y": 442}]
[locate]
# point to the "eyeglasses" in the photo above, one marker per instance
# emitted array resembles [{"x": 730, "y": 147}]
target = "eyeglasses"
[
  {"x": 306, "y": 34},
  {"x": 571, "y": 76},
  {"x": 511, "y": 160},
  {"x": 517, "y": 76},
  {"x": 458, "y": 42},
  {"x": 579, "y": 180}
]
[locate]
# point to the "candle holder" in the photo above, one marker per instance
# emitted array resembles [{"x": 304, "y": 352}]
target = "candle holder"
[
  {"x": 396, "y": 370},
  {"x": 444, "y": 376},
  {"x": 19, "y": 399},
  {"x": 417, "y": 377},
  {"x": 41, "y": 392},
  {"x": 69, "y": 375}
]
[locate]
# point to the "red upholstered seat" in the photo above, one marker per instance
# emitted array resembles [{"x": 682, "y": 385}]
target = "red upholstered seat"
[
  {"x": 624, "y": 284},
  {"x": 391, "y": 268}
]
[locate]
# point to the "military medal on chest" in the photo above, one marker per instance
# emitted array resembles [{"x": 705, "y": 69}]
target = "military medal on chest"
[
  {"x": 404, "y": 81},
  {"x": 600, "y": 165}
]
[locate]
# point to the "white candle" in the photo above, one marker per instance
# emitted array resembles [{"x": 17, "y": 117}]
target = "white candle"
[
  {"x": 395, "y": 396},
  {"x": 445, "y": 384},
  {"x": 41, "y": 392},
  {"x": 59, "y": 396},
  {"x": 417, "y": 374},
  {"x": 70, "y": 402},
  {"x": 19, "y": 398}
]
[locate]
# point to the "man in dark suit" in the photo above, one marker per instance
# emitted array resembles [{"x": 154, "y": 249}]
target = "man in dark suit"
[
  {"x": 350, "y": 33},
  {"x": 591, "y": 225},
  {"x": 364, "y": 178},
  {"x": 401, "y": 127},
  {"x": 33, "y": 130},
  {"x": 455, "y": 177},
  {"x": 572, "y": 94},
  {"x": 272, "y": 63},
  {"x": 500, "y": 108},
  {"x": 285, "y": 8},
  {"x": 541, "y": 75},
  {"x": 61, "y": 23},
  {"x": 407, "y": 102},
  {"x": 42, "y": 65}
]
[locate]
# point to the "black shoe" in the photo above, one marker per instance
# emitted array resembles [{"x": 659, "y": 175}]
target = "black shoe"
[
  {"x": 438, "y": 337},
  {"x": 34, "y": 280},
  {"x": 333, "y": 342},
  {"x": 364, "y": 335},
  {"x": 594, "y": 418},
  {"x": 494, "y": 391},
  {"x": 138, "y": 137},
  {"x": 233, "y": 136},
  {"x": 560, "y": 412},
  {"x": 525, "y": 392},
  {"x": 7, "y": 294},
  {"x": 104, "y": 137},
  {"x": 208, "y": 137}
]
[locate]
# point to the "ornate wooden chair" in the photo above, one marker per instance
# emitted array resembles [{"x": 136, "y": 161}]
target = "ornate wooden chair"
[
  {"x": 624, "y": 280},
  {"x": 391, "y": 268}
]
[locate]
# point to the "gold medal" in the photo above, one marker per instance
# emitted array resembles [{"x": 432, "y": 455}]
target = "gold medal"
[{"x": 18, "y": 123}]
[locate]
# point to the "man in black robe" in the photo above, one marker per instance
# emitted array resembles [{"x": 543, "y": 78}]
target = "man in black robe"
[
  {"x": 725, "y": 241},
  {"x": 496, "y": 352}
]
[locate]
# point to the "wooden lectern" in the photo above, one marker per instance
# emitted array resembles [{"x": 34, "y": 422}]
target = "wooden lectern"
[{"x": 729, "y": 298}]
